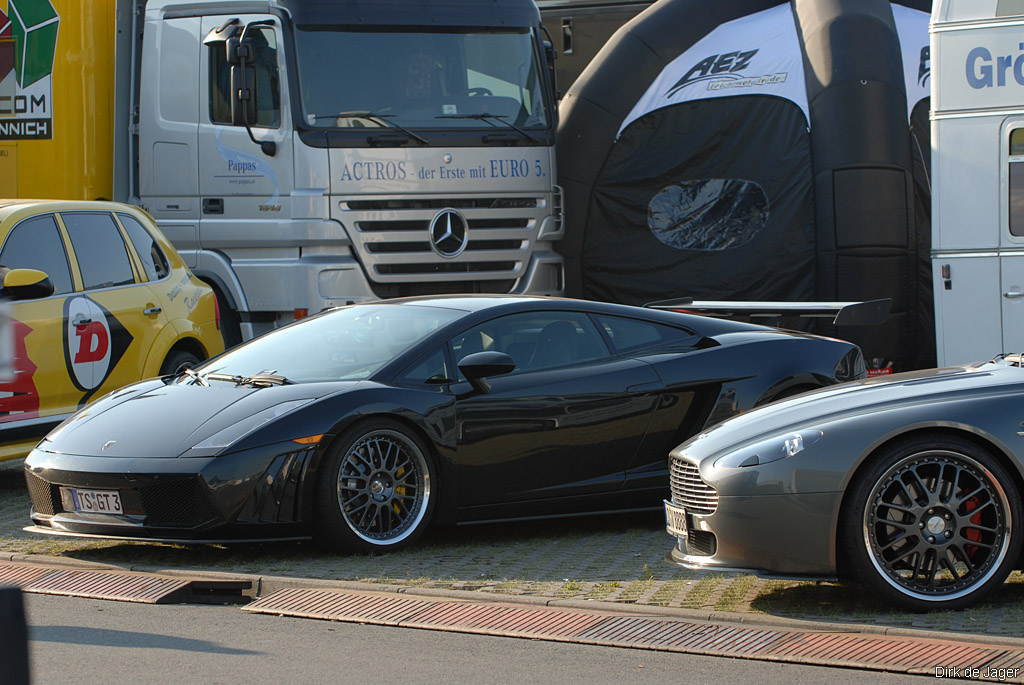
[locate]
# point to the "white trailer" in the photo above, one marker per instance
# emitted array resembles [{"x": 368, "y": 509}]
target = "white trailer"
[{"x": 977, "y": 51}]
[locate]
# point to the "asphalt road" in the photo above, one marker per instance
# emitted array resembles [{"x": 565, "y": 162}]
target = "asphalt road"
[{"x": 93, "y": 641}]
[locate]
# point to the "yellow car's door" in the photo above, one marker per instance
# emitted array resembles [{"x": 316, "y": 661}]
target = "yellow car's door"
[
  {"x": 41, "y": 394},
  {"x": 110, "y": 326}
]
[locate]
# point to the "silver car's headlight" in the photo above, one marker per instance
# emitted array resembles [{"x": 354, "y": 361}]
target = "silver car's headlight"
[
  {"x": 236, "y": 431},
  {"x": 772, "y": 449}
]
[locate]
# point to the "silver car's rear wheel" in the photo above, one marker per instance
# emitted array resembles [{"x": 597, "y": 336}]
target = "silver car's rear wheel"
[
  {"x": 376, "y": 493},
  {"x": 935, "y": 524}
]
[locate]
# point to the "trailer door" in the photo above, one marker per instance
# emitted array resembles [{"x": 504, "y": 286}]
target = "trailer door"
[{"x": 1012, "y": 248}]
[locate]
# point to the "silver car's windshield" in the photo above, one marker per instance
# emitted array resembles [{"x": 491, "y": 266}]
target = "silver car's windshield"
[
  {"x": 346, "y": 344},
  {"x": 420, "y": 79}
]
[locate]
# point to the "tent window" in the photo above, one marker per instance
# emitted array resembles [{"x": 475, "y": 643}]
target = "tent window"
[{"x": 708, "y": 214}]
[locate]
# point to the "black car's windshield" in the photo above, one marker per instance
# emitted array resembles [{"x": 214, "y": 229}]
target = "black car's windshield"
[
  {"x": 345, "y": 344},
  {"x": 420, "y": 79}
]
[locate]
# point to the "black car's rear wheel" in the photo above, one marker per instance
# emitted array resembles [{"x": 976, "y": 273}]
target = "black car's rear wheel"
[
  {"x": 933, "y": 524},
  {"x": 375, "y": 493}
]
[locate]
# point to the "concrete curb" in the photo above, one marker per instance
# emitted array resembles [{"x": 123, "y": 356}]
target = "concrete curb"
[{"x": 264, "y": 585}]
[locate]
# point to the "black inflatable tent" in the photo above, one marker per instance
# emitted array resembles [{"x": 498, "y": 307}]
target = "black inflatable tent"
[{"x": 757, "y": 150}]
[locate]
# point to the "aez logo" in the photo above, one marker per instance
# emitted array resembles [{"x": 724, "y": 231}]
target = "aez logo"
[
  {"x": 984, "y": 72},
  {"x": 722, "y": 71}
]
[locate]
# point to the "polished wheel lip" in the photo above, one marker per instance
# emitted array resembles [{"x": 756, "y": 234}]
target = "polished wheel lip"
[
  {"x": 931, "y": 513},
  {"x": 374, "y": 478}
]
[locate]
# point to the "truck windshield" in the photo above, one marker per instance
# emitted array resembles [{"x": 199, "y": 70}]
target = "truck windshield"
[{"x": 420, "y": 79}]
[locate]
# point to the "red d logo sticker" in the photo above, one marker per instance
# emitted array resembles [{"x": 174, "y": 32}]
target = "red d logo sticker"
[{"x": 94, "y": 341}]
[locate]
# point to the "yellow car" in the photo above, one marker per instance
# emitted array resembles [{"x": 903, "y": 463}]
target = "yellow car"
[{"x": 97, "y": 298}]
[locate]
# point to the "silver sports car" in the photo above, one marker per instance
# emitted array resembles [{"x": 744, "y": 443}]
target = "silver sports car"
[{"x": 910, "y": 485}]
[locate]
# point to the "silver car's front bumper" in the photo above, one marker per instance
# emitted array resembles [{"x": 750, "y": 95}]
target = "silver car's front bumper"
[{"x": 773, "y": 535}]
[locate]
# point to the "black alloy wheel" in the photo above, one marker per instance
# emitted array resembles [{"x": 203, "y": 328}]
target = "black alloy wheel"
[
  {"x": 375, "y": 493},
  {"x": 933, "y": 523}
]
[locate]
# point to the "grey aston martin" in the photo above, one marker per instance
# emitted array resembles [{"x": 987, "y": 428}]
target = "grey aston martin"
[{"x": 910, "y": 485}]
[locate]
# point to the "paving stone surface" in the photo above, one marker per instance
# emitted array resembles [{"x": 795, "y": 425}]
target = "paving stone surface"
[{"x": 609, "y": 558}]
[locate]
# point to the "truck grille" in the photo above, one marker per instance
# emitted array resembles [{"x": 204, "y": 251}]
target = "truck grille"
[
  {"x": 689, "y": 491},
  {"x": 392, "y": 239}
]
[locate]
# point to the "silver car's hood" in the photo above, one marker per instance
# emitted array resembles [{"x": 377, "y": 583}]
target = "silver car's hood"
[{"x": 884, "y": 393}]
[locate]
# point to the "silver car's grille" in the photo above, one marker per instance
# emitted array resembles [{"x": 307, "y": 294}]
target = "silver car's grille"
[
  {"x": 392, "y": 239},
  {"x": 689, "y": 491}
]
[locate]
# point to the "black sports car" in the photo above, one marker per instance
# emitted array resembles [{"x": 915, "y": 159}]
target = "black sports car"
[{"x": 362, "y": 425}]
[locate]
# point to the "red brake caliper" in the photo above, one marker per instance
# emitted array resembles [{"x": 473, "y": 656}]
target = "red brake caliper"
[{"x": 972, "y": 533}]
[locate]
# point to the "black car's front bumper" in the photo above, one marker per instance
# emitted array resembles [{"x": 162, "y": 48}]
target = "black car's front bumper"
[{"x": 256, "y": 495}]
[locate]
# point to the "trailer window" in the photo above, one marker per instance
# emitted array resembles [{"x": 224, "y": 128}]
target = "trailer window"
[
  {"x": 1016, "y": 182},
  {"x": 268, "y": 88}
]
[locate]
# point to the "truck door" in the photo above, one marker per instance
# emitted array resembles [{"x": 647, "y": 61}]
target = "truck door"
[{"x": 245, "y": 193}]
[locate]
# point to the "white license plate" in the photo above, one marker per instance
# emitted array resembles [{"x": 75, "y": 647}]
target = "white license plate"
[
  {"x": 97, "y": 501},
  {"x": 675, "y": 520}
]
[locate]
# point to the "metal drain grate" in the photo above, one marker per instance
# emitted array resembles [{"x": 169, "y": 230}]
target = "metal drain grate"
[
  {"x": 120, "y": 586},
  {"x": 907, "y": 655}
]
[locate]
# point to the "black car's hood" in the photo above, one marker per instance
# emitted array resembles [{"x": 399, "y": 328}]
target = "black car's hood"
[
  {"x": 856, "y": 397},
  {"x": 154, "y": 420}
]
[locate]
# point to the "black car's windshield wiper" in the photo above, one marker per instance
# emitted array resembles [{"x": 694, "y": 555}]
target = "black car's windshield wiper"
[
  {"x": 490, "y": 118},
  {"x": 376, "y": 118},
  {"x": 260, "y": 380},
  {"x": 195, "y": 377}
]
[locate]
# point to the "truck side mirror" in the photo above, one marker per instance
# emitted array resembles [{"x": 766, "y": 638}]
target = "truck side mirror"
[
  {"x": 243, "y": 95},
  {"x": 26, "y": 284}
]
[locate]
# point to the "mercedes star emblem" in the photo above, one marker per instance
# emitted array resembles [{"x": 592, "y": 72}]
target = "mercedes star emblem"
[{"x": 449, "y": 233}]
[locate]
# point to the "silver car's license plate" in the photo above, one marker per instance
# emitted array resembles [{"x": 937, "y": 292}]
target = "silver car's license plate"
[
  {"x": 95, "y": 501},
  {"x": 675, "y": 520}
]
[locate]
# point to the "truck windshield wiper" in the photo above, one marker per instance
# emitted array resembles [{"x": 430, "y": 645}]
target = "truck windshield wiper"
[
  {"x": 376, "y": 118},
  {"x": 489, "y": 118},
  {"x": 260, "y": 380}
]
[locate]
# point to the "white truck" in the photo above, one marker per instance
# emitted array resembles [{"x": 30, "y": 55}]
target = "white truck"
[
  {"x": 977, "y": 51},
  {"x": 300, "y": 154}
]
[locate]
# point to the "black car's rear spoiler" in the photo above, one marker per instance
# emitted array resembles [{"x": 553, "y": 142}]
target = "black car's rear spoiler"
[{"x": 870, "y": 313}]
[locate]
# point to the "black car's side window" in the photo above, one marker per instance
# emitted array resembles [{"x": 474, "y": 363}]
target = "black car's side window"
[
  {"x": 431, "y": 371},
  {"x": 36, "y": 244},
  {"x": 627, "y": 335},
  {"x": 154, "y": 261},
  {"x": 102, "y": 255},
  {"x": 535, "y": 340}
]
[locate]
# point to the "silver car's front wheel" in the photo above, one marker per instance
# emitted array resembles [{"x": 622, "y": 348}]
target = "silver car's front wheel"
[
  {"x": 376, "y": 492},
  {"x": 934, "y": 524}
]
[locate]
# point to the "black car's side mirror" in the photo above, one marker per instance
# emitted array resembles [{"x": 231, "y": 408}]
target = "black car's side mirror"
[
  {"x": 479, "y": 366},
  {"x": 26, "y": 284}
]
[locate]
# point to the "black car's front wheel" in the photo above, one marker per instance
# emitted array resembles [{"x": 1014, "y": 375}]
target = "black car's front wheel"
[
  {"x": 375, "y": 491},
  {"x": 933, "y": 523}
]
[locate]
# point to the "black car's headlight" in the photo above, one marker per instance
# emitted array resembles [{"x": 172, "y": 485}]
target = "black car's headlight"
[
  {"x": 772, "y": 449},
  {"x": 225, "y": 438}
]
